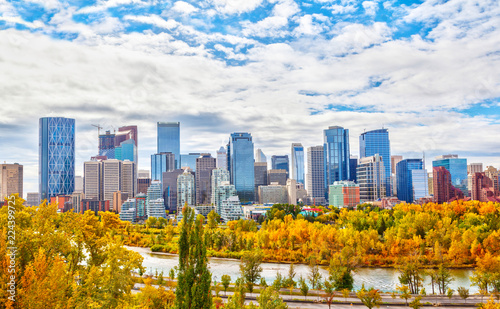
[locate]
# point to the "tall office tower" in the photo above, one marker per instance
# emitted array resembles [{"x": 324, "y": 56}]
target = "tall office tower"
[
  {"x": 222, "y": 158},
  {"x": 185, "y": 190},
  {"x": 492, "y": 173},
  {"x": 129, "y": 178},
  {"x": 56, "y": 169},
  {"x": 78, "y": 184},
  {"x": 154, "y": 201},
  {"x": 143, "y": 174},
  {"x": 143, "y": 181},
  {"x": 473, "y": 168},
  {"x": 92, "y": 180},
  {"x": 160, "y": 163},
  {"x": 394, "y": 161},
  {"x": 126, "y": 133},
  {"x": 241, "y": 165},
  {"x": 353, "y": 166},
  {"x": 411, "y": 179},
  {"x": 291, "y": 189},
  {"x": 107, "y": 145},
  {"x": 189, "y": 160},
  {"x": 443, "y": 188},
  {"x": 32, "y": 199},
  {"x": 280, "y": 163},
  {"x": 111, "y": 179},
  {"x": 260, "y": 175},
  {"x": 337, "y": 155},
  {"x": 277, "y": 176},
  {"x": 430, "y": 181},
  {"x": 371, "y": 178},
  {"x": 316, "y": 174},
  {"x": 483, "y": 189},
  {"x": 377, "y": 142},
  {"x": 457, "y": 168},
  {"x": 169, "y": 140},
  {"x": 170, "y": 189},
  {"x": 204, "y": 166},
  {"x": 11, "y": 180},
  {"x": 260, "y": 156},
  {"x": 126, "y": 151},
  {"x": 298, "y": 163}
]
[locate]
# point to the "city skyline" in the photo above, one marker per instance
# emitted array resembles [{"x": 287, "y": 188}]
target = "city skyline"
[{"x": 281, "y": 70}]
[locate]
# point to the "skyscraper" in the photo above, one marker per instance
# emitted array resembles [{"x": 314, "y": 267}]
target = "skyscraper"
[
  {"x": 169, "y": 140},
  {"x": 371, "y": 176},
  {"x": 129, "y": 178},
  {"x": 260, "y": 175},
  {"x": 260, "y": 156},
  {"x": 189, "y": 160},
  {"x": 443, "y": 189},
  {"x": 353, "y": 166},
  {"x": 204, "y": 166},
  {"x": 11, "y": 180},
  {"x": 377, "y": 142},
  {"x": 298, "y": 162},
  {"x": 280, "y": 163},
  {"x": 56, "y": 169},
  {"x": 170, "y": 189},
  {"x": 92, "y": 180},
  {"x": 241, "y": 165},
  {"x": 111, "y": 179},
  {"x": 337, "y": 155},
  {"x": 110, "y": 143},
  {"x": 154, "y": 202},
  {"x": 222, "y": 158},
  {"x": 316, "y": 174},
  {"x": 457, "y": 168},
  {"x": 219, "y": 176},
  {"x": 160, "y": 163},
  {"x": 185, "y": 190},
  {"x": 411, "y": 179}
]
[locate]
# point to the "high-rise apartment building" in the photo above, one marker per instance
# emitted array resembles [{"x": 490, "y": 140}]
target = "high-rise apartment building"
[
  {"x": 371, "y": 178},
  {"x": 154, "y": 202},
  {"x": 411, "y": 179},
  {"x": 377, "y": 142},
  {"x": 394, "y": 161},
  {"x": 298, "y": 165},
  {"x": 337, "y": 155},
  {"x": 483, "y": 189},
  {"x": 185, "y": 190},
  {"x": 221, "y": 187},
  {"x": 56, "y": 168},
  {"x": 204, "y": 166},
  {"x": 280, "y": 163},
  {"x": 443, "y": 188},
  {"x": 344, "y": 194},
  {"x": 169, "y": 140},
  {"x": 11, "y": 180},
  {"x": 316, "y": 175},
  {"x": 492, "y": 173},
  {"x": 457, "y": 168},
  {"x": 222, "y": 158},
  {"x": 241, "y": 165}
]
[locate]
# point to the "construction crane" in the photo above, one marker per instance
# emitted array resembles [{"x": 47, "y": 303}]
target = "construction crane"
[{"x": 98, "y": 129}]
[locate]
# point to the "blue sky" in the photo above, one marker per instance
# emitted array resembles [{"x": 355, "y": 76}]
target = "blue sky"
[{"x": 283, "y": 70}]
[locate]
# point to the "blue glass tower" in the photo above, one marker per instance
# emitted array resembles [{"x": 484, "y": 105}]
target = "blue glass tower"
[
  {"x": 56, "y": 170},
  {"x": 298, "y": 163},
  {"x": 126, "y": 151},
  {"x": 241, "y": 165},
  {"x": 160, "y": 163},
  {"x": 411, "y": 180},
  {"x": 189, "y": 160},
  {"x": 457, "y": 168},
  {"x": 169, "y": 140},
  {"x": 377, "y": 142},
  {"x": 337, "y": 155},
  {"x": 280, "y": 163}
]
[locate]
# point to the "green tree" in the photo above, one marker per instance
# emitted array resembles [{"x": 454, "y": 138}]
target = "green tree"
[
  {"x": 194, "y": 278},
  {"x": 314, "y": 275},
  {"x": 263, "y": 282},
  {"x": 250, "y": 268},
  {"x": 329, "y": 289},
  {"x": 463, "y": 292},
  {"x": 404, "y": 293},
  {"x": 449, "y": 293},
  {"x": 304, "y": 288},
  {"x": 411, "y": 274},
  {"x": 443, "y": 278},
  {"x": 278, "y": 282},
  {"x": 370, "y": 298},
  {"x": 416, "y": 304},
  {"x": 213, "y": 219},
  {"x": 290, "y": 282},
  {"x": 225, "y": 280},
  {"x": 341, "y": 274},
  {"x": 270, "y": 299}
]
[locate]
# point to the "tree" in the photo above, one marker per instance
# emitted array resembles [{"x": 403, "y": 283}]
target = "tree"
[
  {"x": 405, "y": 293},
  {"x": 263, "y": 282},
  {"x": 194, "y": 278},
  {"x": 449, "y": 293},
  {"x": 345, "y": 293},
  {"x": 225, "y": 280},
  {"x": 250, "y": 268},
  {"x": 270, "y": 299},
  {"x": 213, "y": 219},
  {"x": 329, "y": 289},
  {"x": 463, "y": 292},
  {"x": 314, "y": 275},
  {"x": 340, "y": 271},
  {"x": 153, "y": 298},
  {"x": 443, "y": 278},
  {"x": 411, "y": 274},
  {"x": 290, "y": 282},
  {"x": 304, "y": 288},
  {"x": 370, "y": 298},
  {"x": 416, "y": 304},
  {"x": 278, "y": 282}
]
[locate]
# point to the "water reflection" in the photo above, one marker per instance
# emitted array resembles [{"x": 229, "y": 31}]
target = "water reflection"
[{"x": 385, "y": 279}]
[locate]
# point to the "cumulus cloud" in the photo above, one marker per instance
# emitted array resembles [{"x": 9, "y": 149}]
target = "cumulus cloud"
[{"x": 184, "y": 7}]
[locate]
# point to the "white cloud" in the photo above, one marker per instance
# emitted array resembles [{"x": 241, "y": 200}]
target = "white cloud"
[
  {"x": 154, "y": 20},
  {"x": 235, "y": 6},
  {"x": 184, "y": 7},
  {"x": 342, "y": 9},
  {"x": 370, "y": 7}
]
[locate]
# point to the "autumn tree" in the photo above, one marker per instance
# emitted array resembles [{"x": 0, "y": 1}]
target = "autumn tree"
[
  {"x": 225, "y": 280},
  {"x": 250, "y": 268},
  {"x": 370, "y": 298}
]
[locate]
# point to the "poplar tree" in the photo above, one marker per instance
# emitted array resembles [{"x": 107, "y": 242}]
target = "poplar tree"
[{"x": 193, "y": 285}]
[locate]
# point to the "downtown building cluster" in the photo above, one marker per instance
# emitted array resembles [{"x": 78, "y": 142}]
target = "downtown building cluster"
[{"x": 239, "y": 174}]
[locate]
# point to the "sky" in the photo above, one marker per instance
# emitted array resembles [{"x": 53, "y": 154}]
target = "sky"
[{"x": 283, "y": 70}]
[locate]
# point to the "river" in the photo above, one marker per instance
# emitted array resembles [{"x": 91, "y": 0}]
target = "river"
[{"x": 385, "y": 279}]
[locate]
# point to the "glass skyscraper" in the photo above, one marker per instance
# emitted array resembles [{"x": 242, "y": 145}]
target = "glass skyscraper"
[
  {"x": 56, "y": 169},
  {"x": 189, "y": 160},
  {"x": 377, "y": 142},
  {"x": 337, "y": 155},
  {"x": 169, "y": 140},
  {"x": 280, "y": 163},
  {"x": 160, "y": 163},
  {"x": 457, "y": 168},
  {"x": 298, "y": 163},
  {"x": 241, "y": 165},
  {"x": 411, "y": 179}
]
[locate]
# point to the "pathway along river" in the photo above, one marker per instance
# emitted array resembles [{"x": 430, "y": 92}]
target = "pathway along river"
[{"x": 385, "y": 279}]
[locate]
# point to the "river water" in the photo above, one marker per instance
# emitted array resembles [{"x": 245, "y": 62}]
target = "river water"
[{"x": 385, "y": 279}]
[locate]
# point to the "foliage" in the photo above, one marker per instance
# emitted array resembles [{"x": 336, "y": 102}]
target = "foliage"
[
  {"x": 270, "y": 299},
  {"x": 370, "y": 298},
  {"x": 404, "y": 293},
  {"x": 416, "y": 304},
  {"x": 463, "y": 292},
  {"x": 250, "y": 268},
  {"x": 225, "y": 280},
  {"x": 279, "y": 211},
  {"x": 304, "y": 288}
]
